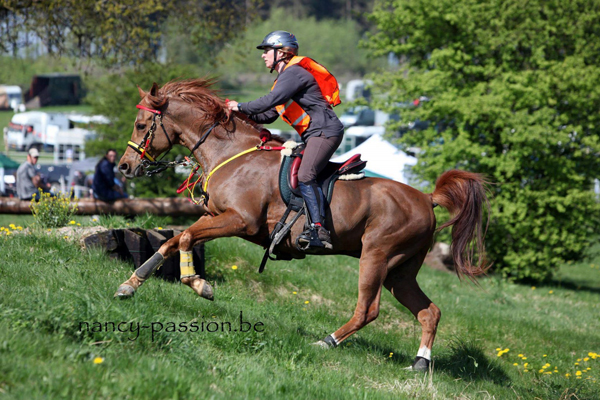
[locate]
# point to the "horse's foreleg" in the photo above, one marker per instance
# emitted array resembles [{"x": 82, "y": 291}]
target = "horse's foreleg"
[
  {"x": 373, "y": 269},
  {"x": 128, "y": 288},
  {"x": 402, "y": 283},
  {"x": 207, "y": 228}
]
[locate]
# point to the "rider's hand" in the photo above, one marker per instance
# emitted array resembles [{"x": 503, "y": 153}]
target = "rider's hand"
[{"x": 233, "y": 105}]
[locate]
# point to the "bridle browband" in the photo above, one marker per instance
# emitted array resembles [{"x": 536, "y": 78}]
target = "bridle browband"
[{"x": 142, "y": 147}]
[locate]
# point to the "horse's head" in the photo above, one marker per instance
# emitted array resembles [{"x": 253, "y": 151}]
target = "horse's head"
[
  {"x": 192, "y": 107},
  {"x": 152, "y": 133}
]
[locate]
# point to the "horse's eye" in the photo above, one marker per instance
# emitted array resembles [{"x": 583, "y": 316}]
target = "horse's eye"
[{"x": 140, "y": 127}]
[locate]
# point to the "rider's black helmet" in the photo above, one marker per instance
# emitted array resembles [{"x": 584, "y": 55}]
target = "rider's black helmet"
[{"x": 278, "y": 40}]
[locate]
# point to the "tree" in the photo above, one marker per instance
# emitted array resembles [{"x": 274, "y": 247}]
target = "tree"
[
  {"x": 514, "y": 94},
  {"x": 119, "y": 31}
]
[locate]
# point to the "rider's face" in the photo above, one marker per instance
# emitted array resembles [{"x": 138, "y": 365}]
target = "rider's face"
[{"x": 268, "y": 56}]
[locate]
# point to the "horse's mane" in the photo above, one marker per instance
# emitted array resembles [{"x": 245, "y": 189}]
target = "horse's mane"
[{"x": 199, "y": 93}]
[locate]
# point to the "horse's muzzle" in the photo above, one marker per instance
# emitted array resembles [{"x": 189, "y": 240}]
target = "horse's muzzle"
[{"x": 130, "y": 173}]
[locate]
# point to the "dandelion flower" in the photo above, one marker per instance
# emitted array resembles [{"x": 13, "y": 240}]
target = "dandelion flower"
[
  {"x": 294, "y": 292},
  {"x": 160, "y": 227},
  {"x": 234, "y": 267},
  {"x": 586, "y": 359},
  {"x": 578, "y": 373},
  {"x": 567, "y": 375},
  {"x": 306, "y": 302},
  {"x": 551, "y": 291},
  {"x": 391, "y": 354},
  {"x": 12, "y": 226},
  {"x": 72, "y": 222},
  {"x": 544, "y": 355},
  {"x": 520, "y": 355},
  {"x": 533, "y": 288},
  {"x": 98, "y": 360},
  {"x": 515, "y": 364}
]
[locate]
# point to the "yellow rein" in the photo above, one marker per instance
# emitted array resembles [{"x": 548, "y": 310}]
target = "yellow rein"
[{"x": 255, "y": 148}]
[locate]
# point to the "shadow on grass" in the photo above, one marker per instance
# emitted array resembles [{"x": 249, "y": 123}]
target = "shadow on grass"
[
  {"x": 573, "y": 285},
  {"x": 469, "y": 363}
]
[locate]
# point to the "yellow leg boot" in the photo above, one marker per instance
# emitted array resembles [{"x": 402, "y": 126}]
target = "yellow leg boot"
[{"x": 189, "y": 277}]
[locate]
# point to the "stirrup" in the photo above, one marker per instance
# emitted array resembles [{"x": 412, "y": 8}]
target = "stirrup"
[{"x": 309, "y": 239}]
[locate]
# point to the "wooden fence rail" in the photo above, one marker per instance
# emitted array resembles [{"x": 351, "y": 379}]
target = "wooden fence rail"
[{"x": 176, "y": 206}]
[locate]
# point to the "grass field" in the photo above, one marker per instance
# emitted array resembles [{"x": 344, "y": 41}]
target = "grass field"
[{"x": 501, "y": 340}]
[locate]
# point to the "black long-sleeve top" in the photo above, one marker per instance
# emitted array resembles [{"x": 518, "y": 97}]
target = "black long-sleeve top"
[{"x": 297, "y": 84}]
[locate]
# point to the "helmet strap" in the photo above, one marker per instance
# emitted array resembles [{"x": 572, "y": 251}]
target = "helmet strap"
[{"x": 275, "y": 61}]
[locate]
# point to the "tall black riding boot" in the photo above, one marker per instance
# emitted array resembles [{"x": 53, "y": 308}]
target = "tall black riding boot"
[{"x": 316, "y": 236}]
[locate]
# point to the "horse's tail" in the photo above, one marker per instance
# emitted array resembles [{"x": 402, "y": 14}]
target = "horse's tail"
[{"x": 463, "y": 194}]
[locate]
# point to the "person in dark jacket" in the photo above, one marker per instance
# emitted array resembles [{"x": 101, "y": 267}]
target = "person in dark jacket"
[
  {"x": 104, "y": 185},
  {"x": 303, "y": 95}
]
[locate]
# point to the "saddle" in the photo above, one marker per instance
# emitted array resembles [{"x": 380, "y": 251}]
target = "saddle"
[
  {"x": 288, "y": 176},
  {"x": 290, "y": 193}
]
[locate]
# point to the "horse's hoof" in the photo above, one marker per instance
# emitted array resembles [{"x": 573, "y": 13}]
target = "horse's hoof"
[
  {"x": 420, "y": 365},
  {"x": 124, "y": 292},
  {"x": 322, "y": 345},
  {"x": 200, "y": 286}
]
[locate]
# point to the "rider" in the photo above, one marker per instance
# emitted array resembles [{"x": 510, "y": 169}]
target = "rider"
[{"x": 303, "y": 94}]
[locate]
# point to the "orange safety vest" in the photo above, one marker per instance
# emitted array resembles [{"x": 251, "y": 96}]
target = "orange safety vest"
[{"x": 291, "y": 112}]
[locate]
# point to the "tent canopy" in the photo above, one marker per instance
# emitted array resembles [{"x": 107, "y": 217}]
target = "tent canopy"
[
  {"x": 383, "y": 159},
  {"x": 8, "y": 163}
]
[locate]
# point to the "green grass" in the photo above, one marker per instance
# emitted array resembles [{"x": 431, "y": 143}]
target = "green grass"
[{"x": 48, "y": 286}]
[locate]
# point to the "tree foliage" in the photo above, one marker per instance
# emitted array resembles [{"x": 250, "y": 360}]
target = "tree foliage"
[
  {"x": 331, "y": 42},
  {"x": 119, "y": 31},
  {"x": 514, "y": 95}
]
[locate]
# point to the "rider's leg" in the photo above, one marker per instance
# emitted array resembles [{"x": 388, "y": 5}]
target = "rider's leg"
[{"x": 316, "y": 155}]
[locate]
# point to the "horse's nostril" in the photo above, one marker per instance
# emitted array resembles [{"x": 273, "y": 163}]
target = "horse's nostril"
[{"x": 124, "y": 167}]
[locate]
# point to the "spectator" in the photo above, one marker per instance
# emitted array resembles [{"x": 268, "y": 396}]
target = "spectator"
[
  {"x": 28, "y": 180},
  {"x": 104, "y": 185}
]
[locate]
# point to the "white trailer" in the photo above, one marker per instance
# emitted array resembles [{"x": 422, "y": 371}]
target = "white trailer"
[{"x": 34, "y": 129}]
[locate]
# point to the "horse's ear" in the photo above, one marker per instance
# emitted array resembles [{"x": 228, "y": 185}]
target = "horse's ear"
[
  {"x": 141, "y": 92},
  {"x": 154, "y": 90}
]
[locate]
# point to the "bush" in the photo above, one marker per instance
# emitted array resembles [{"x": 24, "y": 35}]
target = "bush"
[
  {"x": 514, "y": 95},
  {"x": 52, "y": 211}
]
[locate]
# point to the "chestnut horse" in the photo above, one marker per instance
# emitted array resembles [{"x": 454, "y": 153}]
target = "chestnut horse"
[{"x": 389, "y": 226}]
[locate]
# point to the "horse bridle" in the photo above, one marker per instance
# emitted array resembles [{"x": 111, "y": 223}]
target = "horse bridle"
[{"x": 142, "y": 147}]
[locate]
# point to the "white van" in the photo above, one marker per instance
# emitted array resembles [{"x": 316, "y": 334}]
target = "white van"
[{"x": 34, "y": 129}]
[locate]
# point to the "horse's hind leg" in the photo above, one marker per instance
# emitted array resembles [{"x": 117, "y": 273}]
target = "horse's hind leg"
[
  {"x": 402, "y": 283},
  {"x": 373, "y": 269},
  {"x": 128, "y": 288}
]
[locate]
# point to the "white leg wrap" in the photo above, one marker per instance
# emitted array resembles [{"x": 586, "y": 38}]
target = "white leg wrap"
[
  {"x": 424, "y": 352},
  {"x": 186, "y": 264}
]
